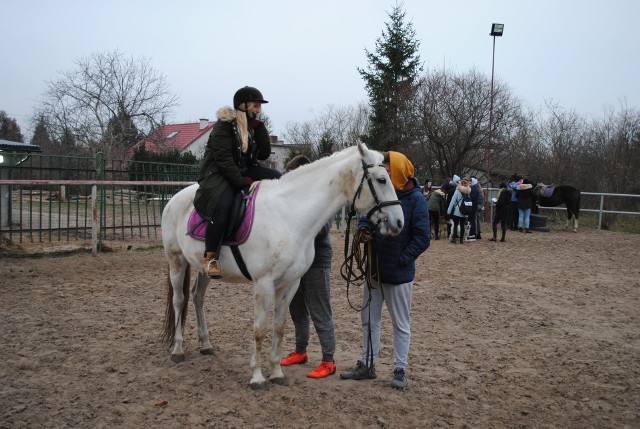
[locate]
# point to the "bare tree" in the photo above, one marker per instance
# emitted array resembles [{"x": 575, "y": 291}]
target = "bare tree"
[
  {"x": 451, "y": 124},
  {"x": 334, "y": 127},
  {"x": 610, "y": 158},
  {"x": 106, "y": 88}
]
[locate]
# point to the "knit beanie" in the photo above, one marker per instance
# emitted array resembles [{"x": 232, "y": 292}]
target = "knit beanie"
[
  {"x": 400, "y": 170},
  {"x": 456, "y": 178},
  {"x": 474, "y": 181}
]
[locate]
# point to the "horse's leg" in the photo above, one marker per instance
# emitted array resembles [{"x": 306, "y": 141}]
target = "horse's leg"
[
  {"x": 177, "y": 274},
  {"x": 263, "y": 291},
  {"x": 283, "y": 298},
  {"x": 198, "y": 291}
]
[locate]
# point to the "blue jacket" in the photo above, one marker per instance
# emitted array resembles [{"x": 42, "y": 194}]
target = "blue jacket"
[{"x": 396, "y": 256}]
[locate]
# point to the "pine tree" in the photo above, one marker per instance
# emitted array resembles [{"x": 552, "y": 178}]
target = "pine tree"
[
  {"x": 9, "y": 128},
  {"x": 390, "y": 82},
  {"x": 42, "y": 138}
]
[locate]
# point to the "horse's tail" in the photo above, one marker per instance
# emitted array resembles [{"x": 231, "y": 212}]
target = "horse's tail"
[
  {"x": 169, "y": 328},
  {"x": 577, "y": 213}
]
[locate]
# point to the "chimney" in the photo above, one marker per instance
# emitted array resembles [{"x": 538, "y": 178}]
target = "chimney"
[{"x": 204, "y": 123}]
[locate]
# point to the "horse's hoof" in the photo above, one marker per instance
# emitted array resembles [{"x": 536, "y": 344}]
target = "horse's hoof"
[
  {"x": 259, "y": 386},
  {"x": 208, "y": 352},
  {"x": 177, "y": 358},
  {"x": 280, "y": 381}
]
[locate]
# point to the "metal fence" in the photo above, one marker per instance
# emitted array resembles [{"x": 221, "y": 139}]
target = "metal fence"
[
  {"x": 46, "y": 198},
  {"x": 607, "y": 206}
]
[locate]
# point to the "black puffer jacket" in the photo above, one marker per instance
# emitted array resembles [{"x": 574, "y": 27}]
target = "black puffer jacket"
[{"x": 224, "y": 164}]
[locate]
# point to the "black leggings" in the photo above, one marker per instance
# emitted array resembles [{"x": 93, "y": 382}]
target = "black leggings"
[
  {"x": 217, "y": 226},
  {"x": 462, "y": 221}
]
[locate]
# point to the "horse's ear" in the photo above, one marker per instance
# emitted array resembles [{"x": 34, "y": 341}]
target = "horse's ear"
[{"x": 363, "y": 149}]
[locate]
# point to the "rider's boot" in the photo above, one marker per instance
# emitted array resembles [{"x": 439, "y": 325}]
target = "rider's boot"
[{"x": 210, "y": 265}]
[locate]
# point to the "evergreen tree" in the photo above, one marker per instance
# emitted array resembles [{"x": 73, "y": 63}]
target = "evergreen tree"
[
  {"x": 42, "y": 138},
  {"x": 9, "y": 129},
  {"x": 390, "y": 80}
]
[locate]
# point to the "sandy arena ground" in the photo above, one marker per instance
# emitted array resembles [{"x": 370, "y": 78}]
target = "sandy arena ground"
[{"x": 540, "y": 332}]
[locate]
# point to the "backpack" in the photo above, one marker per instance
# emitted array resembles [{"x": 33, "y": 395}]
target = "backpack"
[{"x": 466, "y": 205}]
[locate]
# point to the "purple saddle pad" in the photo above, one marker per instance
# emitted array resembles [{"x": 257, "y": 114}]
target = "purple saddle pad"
[{"x": 197, "y": 226}]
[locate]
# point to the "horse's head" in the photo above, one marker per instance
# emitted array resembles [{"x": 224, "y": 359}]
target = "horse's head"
[{"x": 376, "y": 196}]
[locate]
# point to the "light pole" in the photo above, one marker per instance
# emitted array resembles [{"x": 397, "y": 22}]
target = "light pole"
[{"x": 496, "y": 31}]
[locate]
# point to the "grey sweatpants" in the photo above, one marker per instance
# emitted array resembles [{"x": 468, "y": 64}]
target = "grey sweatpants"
[
  {"x": 398, "y": 300},
  {"x": 313, "y": 299}
]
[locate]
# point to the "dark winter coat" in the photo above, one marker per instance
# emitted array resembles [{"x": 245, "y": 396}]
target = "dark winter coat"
[
  {"x": 224, "y": 164},
  {"x": 502, "y": 206},
  {"x": 396, "y": 256},
  {"x": 524, "y": 192},
  {"x": 437, "y": 202}
]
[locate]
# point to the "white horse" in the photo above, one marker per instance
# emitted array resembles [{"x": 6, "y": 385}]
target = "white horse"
[{"x": 288, "y": 214}]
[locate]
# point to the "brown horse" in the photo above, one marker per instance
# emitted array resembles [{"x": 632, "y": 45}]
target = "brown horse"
[{"x": 553, "y": 196}]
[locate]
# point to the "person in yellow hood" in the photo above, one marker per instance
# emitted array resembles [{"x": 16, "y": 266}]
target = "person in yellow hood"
[{"x": 394, "y": 259}]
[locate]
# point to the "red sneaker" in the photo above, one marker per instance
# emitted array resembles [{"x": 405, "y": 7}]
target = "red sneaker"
[
  {"x": 294, "y": 358},
  {"x": 325, "y": 369}
]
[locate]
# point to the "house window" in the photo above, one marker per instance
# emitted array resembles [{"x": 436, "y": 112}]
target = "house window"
[{"x": 172, "y": 134}]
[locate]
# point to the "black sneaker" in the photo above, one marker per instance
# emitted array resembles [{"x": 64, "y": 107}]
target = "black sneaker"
[
  {"x": 359, "y": 372},
  {"x": 399, "y": 380}
]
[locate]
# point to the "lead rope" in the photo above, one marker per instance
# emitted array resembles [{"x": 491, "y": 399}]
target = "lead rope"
[{"x": 358, "y": 269}]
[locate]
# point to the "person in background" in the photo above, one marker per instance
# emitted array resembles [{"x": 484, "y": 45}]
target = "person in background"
[
  {"x": 236, "y": 143},
  {"x": 448, "y": 189},
  {"x": 459, "y": 220},
  {"x": 479, "y": 212},
  {"x": 524, "y": 193},
  {"x": 395, "y": 258},
  {"x": 313, "y": 298},
  {"x": 501, "y": 213},
  {"x": 478, "y": 200},
  {"x": 437, "y": 210},
  {"x": 512, "y": 220},
  {"x": 426, "y": 189}
]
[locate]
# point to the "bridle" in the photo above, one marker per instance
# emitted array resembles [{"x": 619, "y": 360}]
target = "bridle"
[{"x": 379, "y": 205}]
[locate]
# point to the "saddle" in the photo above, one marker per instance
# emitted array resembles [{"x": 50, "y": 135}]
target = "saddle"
[
  {"x": 543, "y": 190},
  {"x": 239, "y": 228},
  {"x": 241, "y": 219}
]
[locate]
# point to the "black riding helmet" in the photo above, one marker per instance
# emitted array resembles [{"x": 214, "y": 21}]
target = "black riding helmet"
[{"x": 246, "y": 94}]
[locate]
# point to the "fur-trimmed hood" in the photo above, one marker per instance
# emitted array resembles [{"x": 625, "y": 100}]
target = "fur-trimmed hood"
[
  {"x": 524, "y": 186},
  {"x": 226, "y": 114},
  {"x": 464, "y": 189}
]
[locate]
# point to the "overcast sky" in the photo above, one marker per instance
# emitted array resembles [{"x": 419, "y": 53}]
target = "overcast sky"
[{"x": 303, "y": 55}]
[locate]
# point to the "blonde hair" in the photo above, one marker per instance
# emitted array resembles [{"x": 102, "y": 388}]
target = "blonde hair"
[
  {"x": 464, "y": 181},
  {"x": 243, "y": 125}
]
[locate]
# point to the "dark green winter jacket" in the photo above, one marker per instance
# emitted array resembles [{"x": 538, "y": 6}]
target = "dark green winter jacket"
[{"x": 224, "y": 163}]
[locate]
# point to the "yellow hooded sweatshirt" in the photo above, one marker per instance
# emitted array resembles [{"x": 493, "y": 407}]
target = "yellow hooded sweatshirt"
[{"x": 400, "y": 170}]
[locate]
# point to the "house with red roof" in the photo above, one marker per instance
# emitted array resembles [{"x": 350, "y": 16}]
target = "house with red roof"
[{"x": 191, "y": 137}]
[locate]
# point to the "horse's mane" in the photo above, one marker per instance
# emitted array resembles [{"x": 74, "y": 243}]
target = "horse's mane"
[{"x": 323, "y": 163}]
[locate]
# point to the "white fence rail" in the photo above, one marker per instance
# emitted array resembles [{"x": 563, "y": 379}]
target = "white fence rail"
[{"x": 43, "y": 210}]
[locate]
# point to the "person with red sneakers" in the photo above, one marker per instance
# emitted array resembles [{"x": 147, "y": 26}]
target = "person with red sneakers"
[{"x": 313, "y": 301}]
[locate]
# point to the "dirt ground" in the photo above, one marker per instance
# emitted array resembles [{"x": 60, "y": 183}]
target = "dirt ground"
[{"x": 542, "y": 331}]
